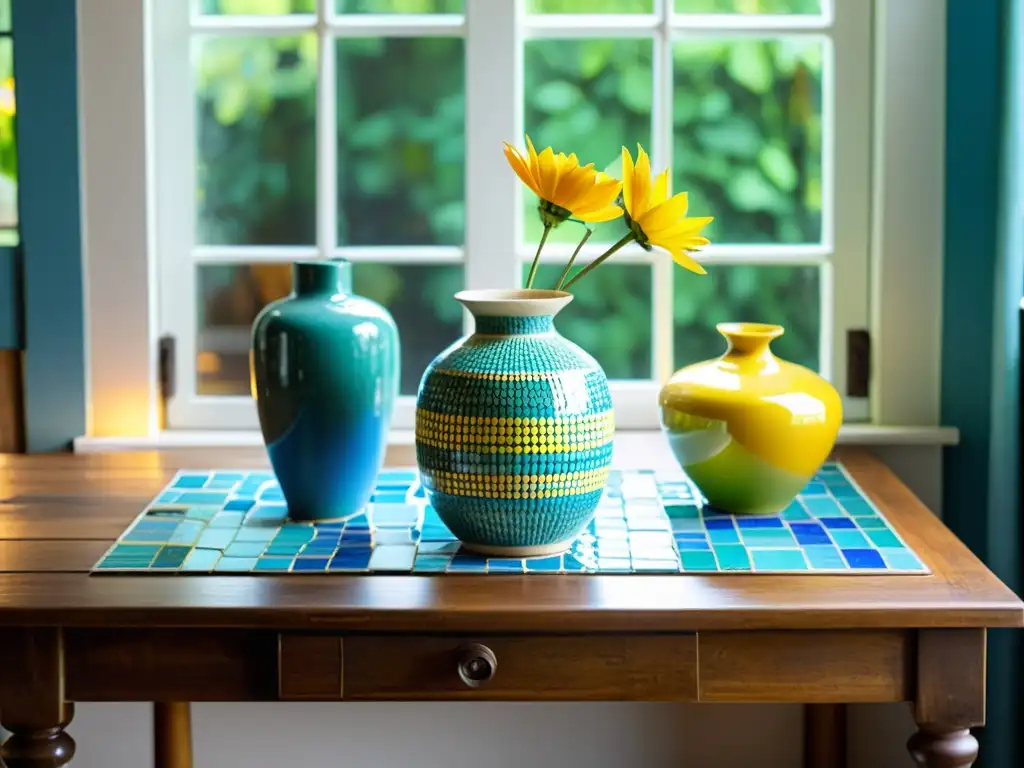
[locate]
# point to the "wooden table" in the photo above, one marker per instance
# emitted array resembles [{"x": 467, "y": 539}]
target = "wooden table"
[{"x": 821, "y": 640}]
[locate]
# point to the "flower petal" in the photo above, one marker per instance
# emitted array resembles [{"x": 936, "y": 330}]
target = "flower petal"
[
  {"x": 686, "y": 227},
  {"x": 660, "y": 192},
  {"x": 519, "y": 165},
  {"x": 601, "y": 214},
  {"x": 548, "y": 169},
  {"x": 534, "y": 165},
  {"x": 628, "y": 173},
  {"x": 683, "y": 259},
  {"x": 599, "y": 195},
  {"x": 641, "y": 183},
  {"x": 665, "y": 215}
]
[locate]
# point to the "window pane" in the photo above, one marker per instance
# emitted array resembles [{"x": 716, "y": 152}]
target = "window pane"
[
  {"x": 8, "y": 147},
  {"x": 590, "y": 6},
  {"x": 748, "y": 6},
  {"x": 5, "y": 15},
  {"x": 256, "y": 131},
  {"x": 256, "y": 7},
  {"x": 788, "y": 296},
  {"x": 747, "y": 131},
  {"x": 400, "y": 6},
  {"x": 401, "y": 141},
  {"x": 590, "y": 97},
  {"x": 230, "y": 297},
  {"x": 609, "y": 316}
]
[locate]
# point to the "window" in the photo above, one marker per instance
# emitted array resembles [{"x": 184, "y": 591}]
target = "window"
[
  {"x": 372, "y": 130},
  {"x": 8, "y": 147}
]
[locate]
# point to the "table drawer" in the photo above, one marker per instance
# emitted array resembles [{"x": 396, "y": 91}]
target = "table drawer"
[{"x": 491, "y": 667}]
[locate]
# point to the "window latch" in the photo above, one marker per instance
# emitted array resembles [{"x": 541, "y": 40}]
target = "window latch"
[
  {"x": 166, "y": 364},
  {"x": 858, "y": 362}
]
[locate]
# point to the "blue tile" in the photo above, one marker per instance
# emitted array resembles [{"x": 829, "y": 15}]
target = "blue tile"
[
  {"x": 748, "y": 523},
  {"x": 872, "y": 523},
  {"x": 255, "y": 533},
  {"x": 430, "y": 564},
  {"x": 686, "y": 525},
  {"x": 285, "y": 550},
  {"x": 187, "y": 532},
  {"x": 858, "y": 507},
  {"x": 388, "y": 497},
  {"x": 884, "y": 539},
  {"x": 309, "y": 564},
  {"x": 718, "y": 525},
  {"x": 229, "y": 477},
  {"x": 656, "y": 566},
  {"x": 825, "y": 558},
  {"x": 170, "y": 557},
  {"x": 809, "y": 534},
  {"x": 778, "y": 560},
  {"x": 769, "y": 537},
  {"x": 850, "y": 539},
  {"x": 203, "y": 497},
  {"x": 723, "y": 536},
  {"x": 239, "y": 505},
  {"x": 217, "y": 538},
  {"x": 242, "y": 564},
  {"x": 501, "y": 565},
  {"x": 682, "y": 510},
  {"x": 843, "y": 492},
  {"x": 396, "y": 558},
  {"x": 279, "y": 564},
  {"x": 271, "y": 493},
  {"x": 687, "y": 545},
  {"x": 357, "y": 537},
  {"x": 394, "y": 515},
  {"x": 167, "y": 497},
  {"x": 544, "y": 564},
  {"x": 468, "y": 563},
  {"x": 863, "y": 558},
  {"x": 201, "y": 560},
  {"x": 837, "y": 523},
  {"x": 245, "y": 549},
  {"x": 795, "y": 511},
  {"x": 393, "y": 536},
  {"x": 202, "y": 513},
  {"x": 902, "y": 560},
  {"x": 822, "y": 506},
  {"x": 813, "y": 489},
  {"x": 732, "y": 558},
  {"x": 439, "y": 547},
  {"x": 190, "y": 481},
  {"x": 227, "y": 520},
  {"x": 351, "y": 560},
  {"x": 572, "y": 563}
]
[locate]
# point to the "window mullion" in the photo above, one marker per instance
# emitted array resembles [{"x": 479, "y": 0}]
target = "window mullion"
[
  {"x": 661, "y": 151},
  {"x": 326, "y": 135},
  {"x": 493, "y": 96}
]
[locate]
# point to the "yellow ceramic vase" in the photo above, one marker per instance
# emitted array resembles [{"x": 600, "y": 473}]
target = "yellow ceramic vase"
[{"x": 748, "y": 428}]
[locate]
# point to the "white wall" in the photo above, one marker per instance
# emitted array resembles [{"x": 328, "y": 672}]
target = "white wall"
[{"x": 461, "y": 735}]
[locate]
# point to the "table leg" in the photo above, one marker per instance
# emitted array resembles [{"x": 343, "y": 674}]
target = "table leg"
[
  {"x": 32, "y": 699},
  {"x": 950, "y": 697},
  {"x": 172, "y": 734},
  {"x": 825, "y": 736}
]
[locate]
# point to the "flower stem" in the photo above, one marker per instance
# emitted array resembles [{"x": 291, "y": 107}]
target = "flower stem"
[
  {"x": 628, "y": 238},
  {"x": 572, "y": 259},
  {"x": 536, "y": 258}
]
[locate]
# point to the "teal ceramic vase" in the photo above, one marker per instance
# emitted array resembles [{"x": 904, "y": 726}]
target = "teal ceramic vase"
[
  {"x": 514, "y": 428},
  {"x": 325, "y": 377}
]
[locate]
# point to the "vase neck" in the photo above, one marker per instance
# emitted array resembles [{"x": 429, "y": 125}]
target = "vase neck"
[
  {"x": 323, "y": 277},
  {"x": 749, "y": 340},
  {"x": 498, "y": 325}
]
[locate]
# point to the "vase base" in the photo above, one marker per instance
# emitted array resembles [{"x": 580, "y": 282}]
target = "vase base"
[{"x": 530, "y": 550}]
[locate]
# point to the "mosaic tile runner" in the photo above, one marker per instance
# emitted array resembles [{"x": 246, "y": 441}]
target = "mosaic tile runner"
[{"x": 236, "y": 522}]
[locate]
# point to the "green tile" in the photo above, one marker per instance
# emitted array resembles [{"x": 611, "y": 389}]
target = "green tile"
[
  {"x": 431, "y": 563},
  {"x": 202, "y": 513},
  {"x": 687, "y": 525},
  {"x": 795, "y": 511},
  {"x": 682, "y": 510},
  {"x": 245, "y": 549},
  {"x": 779, "y": 560},
  {"x": 294, "y": 533},
  {"x": 135, "y": 550},
  {"x": 885, "y": 538},
  {"x": 171, "y": 557},
  {"x": 201, "y": 560},
  {"x": 187, "y": 532},
  {"x": 732, "y": 558},
  {"x": 825, "y": 558},
  {"x": 698, "y": 561},
  {"x": 285, "y": 550},
  {"x": 768, "y": 537},
  {"x": 847, "y": 539},
  {"x": 871, "y": 522}
]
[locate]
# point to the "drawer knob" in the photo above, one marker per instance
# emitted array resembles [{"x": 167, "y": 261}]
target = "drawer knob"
[{"x": 477, "y": 664}]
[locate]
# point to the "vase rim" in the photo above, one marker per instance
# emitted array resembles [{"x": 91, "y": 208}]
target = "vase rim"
[
  {"x": 766, "y": 331},
  {"x": 518, "y": 302}
]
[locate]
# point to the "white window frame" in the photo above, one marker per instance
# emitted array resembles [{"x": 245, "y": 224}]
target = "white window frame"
[{"x": 127, "y": 162}]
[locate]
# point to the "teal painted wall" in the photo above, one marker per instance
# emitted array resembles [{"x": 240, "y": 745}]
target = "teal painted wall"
[
  {"x": 984, "y": 280},
  {"x": 46, "y": 72},
  {"x": 10, "y": 298}
]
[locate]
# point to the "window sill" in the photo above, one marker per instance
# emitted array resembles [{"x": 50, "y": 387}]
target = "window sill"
[{"x": 626, "y": 440}]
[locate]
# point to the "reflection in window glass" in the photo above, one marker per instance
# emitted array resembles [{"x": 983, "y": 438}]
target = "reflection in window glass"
[
  {"x": 747, "y": 133},
  {"x": 8, "y": 147},
  {"x": 5, "y": 16},
  {"x": 787, "y": 296},
  {"x": 609, "y": 316},
  {"x": 590, "y": 6},
  {"x": 256, "y": 7},
  {"x": 748, "y": 6},
  {"x": 401, "y": 141},
  {"x": 231, "y": 295},
  {"x": 589, "y": 97},
  {"x": 400, "y": 6},
  {"x": 256, "y": 173}
]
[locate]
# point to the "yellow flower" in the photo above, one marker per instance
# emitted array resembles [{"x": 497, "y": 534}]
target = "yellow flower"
[
  {"x": 657, "y": 219},
  {"x": 565, "y": 187}
]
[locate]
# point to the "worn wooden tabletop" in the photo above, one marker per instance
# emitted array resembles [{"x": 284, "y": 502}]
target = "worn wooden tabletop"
[{"x": 59, "y": 513}]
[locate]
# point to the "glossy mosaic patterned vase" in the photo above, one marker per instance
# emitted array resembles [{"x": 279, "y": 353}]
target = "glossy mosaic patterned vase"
[
  {"x": 748, "y": 428},
  {"x": 325, "y": 377},
  {"x": 514, "y": 428}
]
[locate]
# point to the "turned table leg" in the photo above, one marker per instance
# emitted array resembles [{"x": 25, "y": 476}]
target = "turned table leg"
[
  {"x": 172, "y": 734},
  {"x": 32, "y": 699},
  {"x": 825, "y": 736},
  {"x": 950, "y": 697}
]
